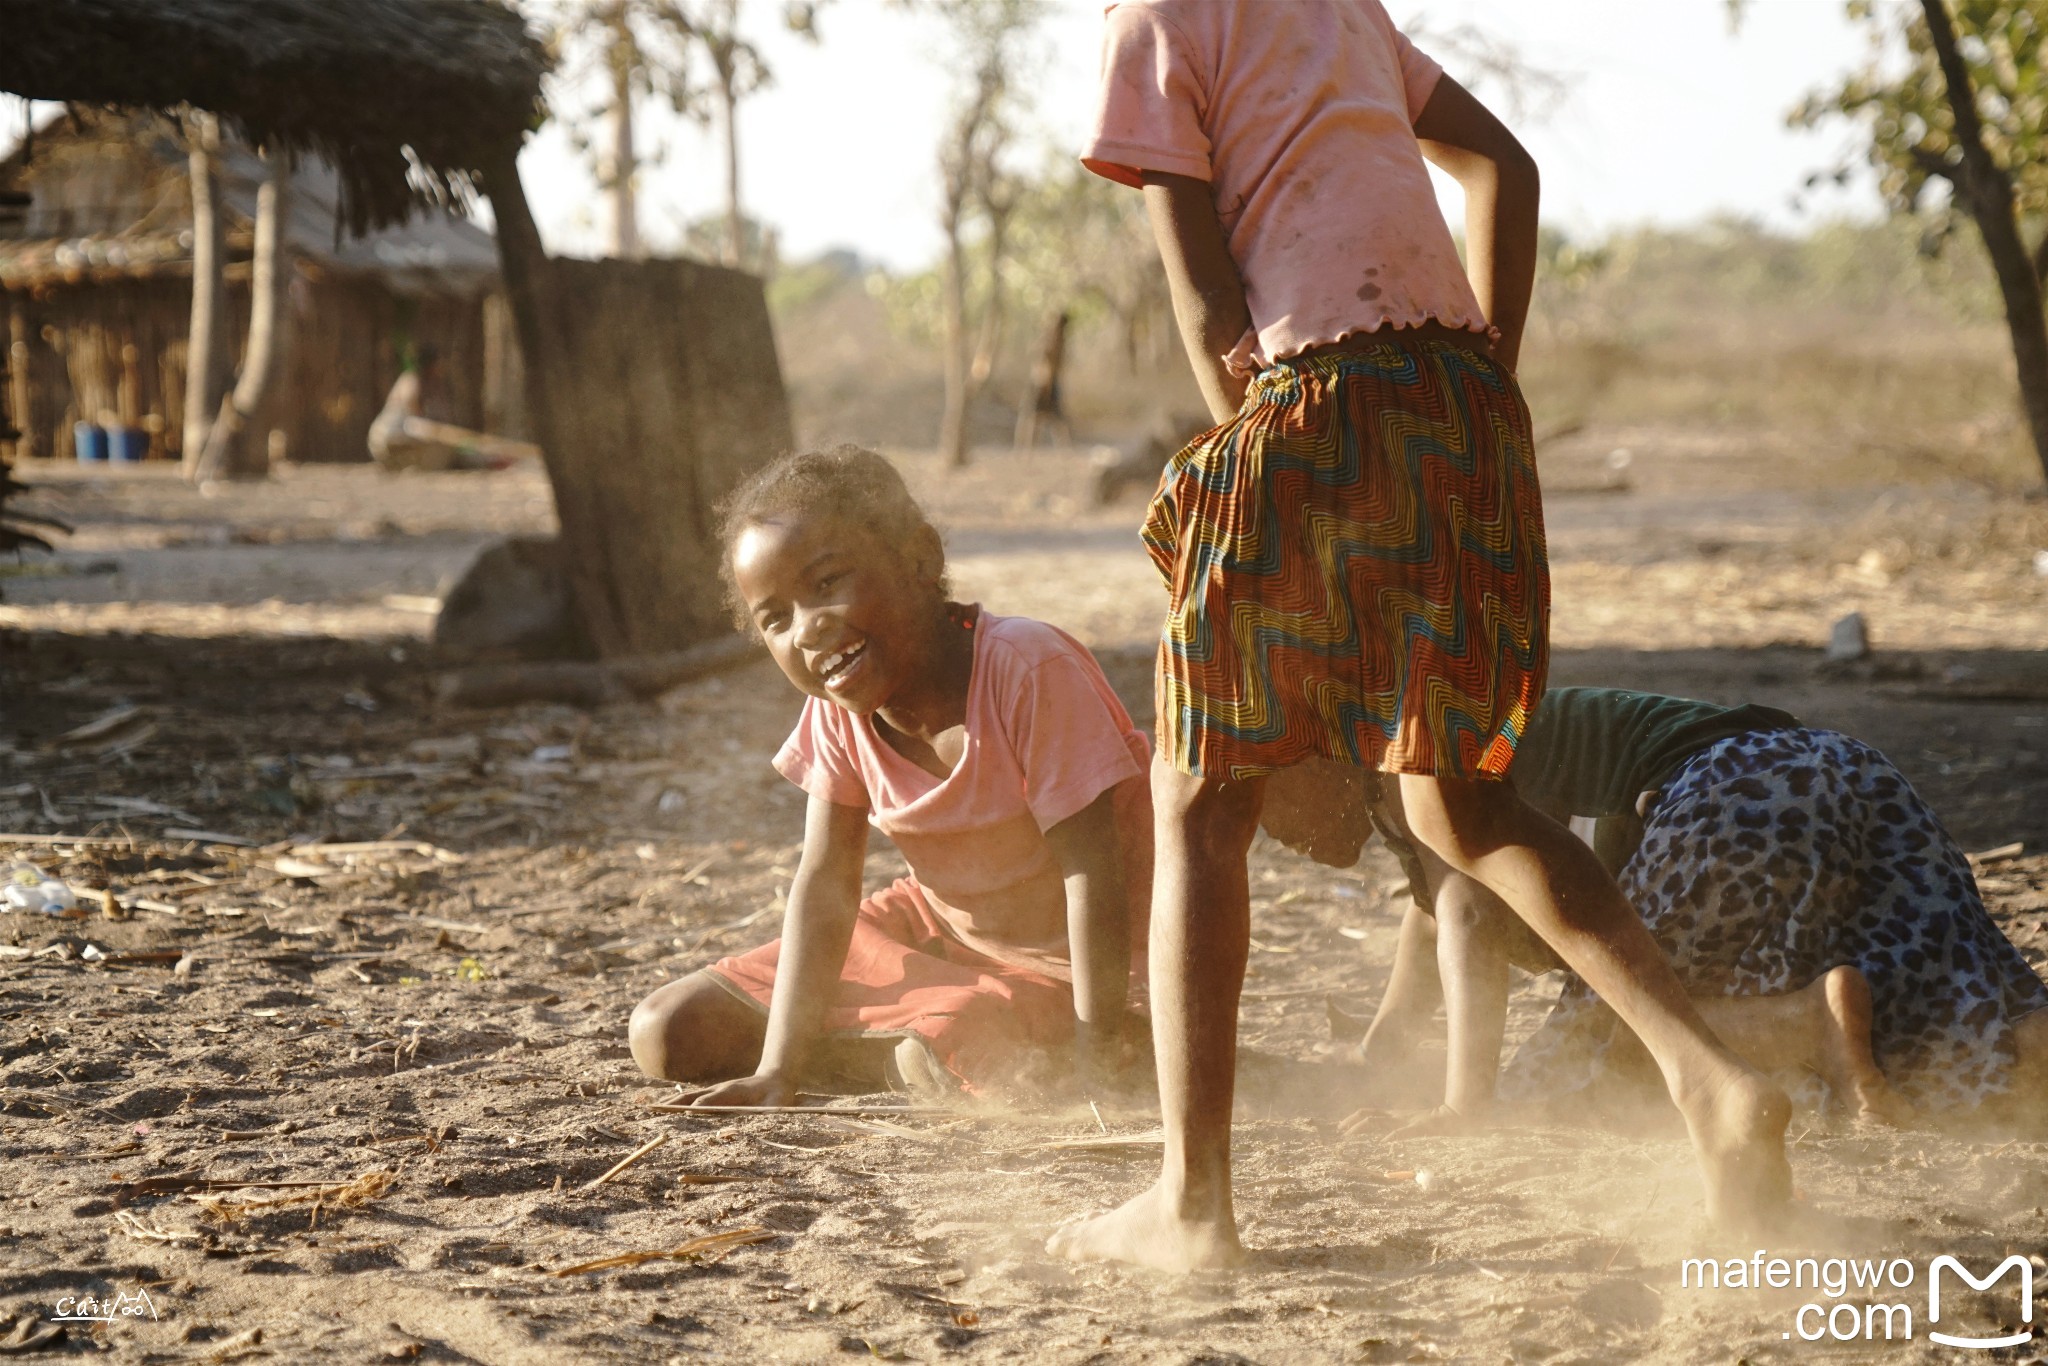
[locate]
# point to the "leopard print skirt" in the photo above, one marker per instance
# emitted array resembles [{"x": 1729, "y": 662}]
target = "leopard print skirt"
[{"x": 1778, "y": 855}]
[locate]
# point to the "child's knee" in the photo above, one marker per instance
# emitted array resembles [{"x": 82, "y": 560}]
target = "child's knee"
[
  {"x": 1462, "y": 820},
  {"x": 1204, "y": 809},
  {"x": 647, "y": 1031},
  {"x": 663, "y": 1027},
  {"x": 1461, "y": 909}
]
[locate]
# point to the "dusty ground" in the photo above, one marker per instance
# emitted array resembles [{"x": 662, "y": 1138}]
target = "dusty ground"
[{"x": 449, "y": 1008}]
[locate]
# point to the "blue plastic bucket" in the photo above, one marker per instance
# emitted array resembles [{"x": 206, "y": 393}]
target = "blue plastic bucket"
[
  {"x": 127, "y": 445},
  {"x": 89, "y": 440}
]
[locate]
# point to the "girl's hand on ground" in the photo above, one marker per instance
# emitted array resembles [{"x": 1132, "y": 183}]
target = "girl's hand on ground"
[
  {"x": 768, "y": 1089},
  {"x": 1364, "y": 1120},
  {"x": 1441, "y": 1122}
]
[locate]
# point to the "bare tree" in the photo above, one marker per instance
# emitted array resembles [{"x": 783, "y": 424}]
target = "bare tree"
[
  {"x": 1987, "y": 190},
  {"x": 736, "y": 72},
  {"x": 206, "y": 349},
  {"x": 621, "y": 164},
  {"x": 977, "y": 194},
  {"x": 650, "y": 48},
  {"x": 1963, "y": 110},
  {"x": 637, "y": 49},
  {"x": 238, "y": 446}
]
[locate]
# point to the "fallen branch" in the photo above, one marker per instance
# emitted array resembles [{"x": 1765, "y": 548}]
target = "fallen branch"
[
  {"x": 419, "y": 847},
  {"x": 851, "y": 1111},
  {"x": 1149, "y": 1139},
  {"x": 340, "y": 1194},
  {"x": 187, "y": 1185},
  {"x": 628, "y": 1160},
  {"x": 709, "y": 1248},
  {"x": 591, "y": 684},
  {"x": 126, "y": 1222}
]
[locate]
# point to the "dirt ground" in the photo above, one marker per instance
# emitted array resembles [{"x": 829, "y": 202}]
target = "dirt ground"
[{"x": 439, "y": 1018}]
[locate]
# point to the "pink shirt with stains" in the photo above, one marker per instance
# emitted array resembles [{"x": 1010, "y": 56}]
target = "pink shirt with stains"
[
  {"x": 1046, "y": 736},
  {"x": 1301, "y": 116}
]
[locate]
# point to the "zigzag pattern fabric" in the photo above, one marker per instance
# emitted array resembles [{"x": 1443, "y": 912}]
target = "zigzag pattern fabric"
[{"x": 1356, "y": 570}]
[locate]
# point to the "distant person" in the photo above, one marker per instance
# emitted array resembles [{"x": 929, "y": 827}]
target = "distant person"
[
  {"x": 990, "y": 749},
  {"x": 1044, "y": 408},
  {"x": 1355, "y": 556},
  {"x": 1822, "y": 919},
  {"x": 410, "y": 432}
]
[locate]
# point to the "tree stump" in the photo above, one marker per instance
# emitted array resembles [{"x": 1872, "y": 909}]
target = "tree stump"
[{"x": 654, "y": 389}]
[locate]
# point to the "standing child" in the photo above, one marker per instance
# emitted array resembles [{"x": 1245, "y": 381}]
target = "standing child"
[
  {"x": 1354, "y": 558},
  {"x": 990, "y": 749}
]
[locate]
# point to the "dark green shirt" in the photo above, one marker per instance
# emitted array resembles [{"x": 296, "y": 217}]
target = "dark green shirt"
[{"x": 1593, "y": 751}]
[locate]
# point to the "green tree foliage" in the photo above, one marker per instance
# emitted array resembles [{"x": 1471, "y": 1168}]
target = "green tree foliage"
[{"x": 1905, "y": 109}]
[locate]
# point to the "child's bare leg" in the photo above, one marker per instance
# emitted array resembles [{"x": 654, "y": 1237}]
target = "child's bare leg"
[
  {"x": 1472, "y": 959},
  {"x": 1824, "y": 1027},
  {"x": 1408, "y": 1006},
  {"x": 693, "y": 1029},
  {"x": 1201, "y": 934},
  {"x": 1554, "y": 883},
  {"x": 2030, "y": 1076}
]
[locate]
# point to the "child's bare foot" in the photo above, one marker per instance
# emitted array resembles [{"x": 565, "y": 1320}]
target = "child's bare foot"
[
  {"x": 1441, "y": 1122},
  {"x": 1841, "y": 1000},
  {"x": 1438, "y": 1122},
  {"x": 1738, "y": 1134},
  {"x": 1149, "y": 1231}
]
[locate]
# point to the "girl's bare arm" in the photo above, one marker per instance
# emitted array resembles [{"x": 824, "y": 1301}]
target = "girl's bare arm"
[
  {"x": 1098, "y": 933},
  {"x": 824, "y": 901},
  {"x": 1501, "y": 187},
  {"x": 1413, "y": 992},
  {"x": 1208, "y": 295}
]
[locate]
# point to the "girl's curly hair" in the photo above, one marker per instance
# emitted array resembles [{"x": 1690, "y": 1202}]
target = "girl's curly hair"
[{"x": 848, "y": 482}]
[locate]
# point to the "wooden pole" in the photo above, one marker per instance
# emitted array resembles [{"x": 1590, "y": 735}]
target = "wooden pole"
[{"x": 206, "y": 359}]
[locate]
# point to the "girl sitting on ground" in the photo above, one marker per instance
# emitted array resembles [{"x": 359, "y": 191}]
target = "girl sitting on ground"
[
  {"x": 1825, "y": 924},
  {"x": 990, "y": 749}
]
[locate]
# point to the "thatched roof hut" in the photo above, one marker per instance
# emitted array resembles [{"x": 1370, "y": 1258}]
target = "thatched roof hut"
[
  {"x": 95, "y": 295},
  {"x": 652, "y": 387},
  {"x": 406, "y": 99}
]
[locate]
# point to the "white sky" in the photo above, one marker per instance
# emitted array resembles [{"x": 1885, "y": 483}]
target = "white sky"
[{"x": 1670, "y": 118}]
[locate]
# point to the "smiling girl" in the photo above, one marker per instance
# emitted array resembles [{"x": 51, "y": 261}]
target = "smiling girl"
[{"x": 990, "y": 749}]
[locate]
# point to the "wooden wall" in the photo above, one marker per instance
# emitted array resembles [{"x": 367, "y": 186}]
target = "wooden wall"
[{"x": 114, "y": 349}]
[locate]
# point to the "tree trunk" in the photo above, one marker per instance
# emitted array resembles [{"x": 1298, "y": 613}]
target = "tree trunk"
[
  {"x": 735, "y": 221},
  {"x": 653, "y": 389},
  {"x": 624, "y": 161},
  {"x": 206, "y": 351},
  {"x": 953, "y": 421},
  {"x": 1987, "y": 190},
  {"x": 238, "y": 447},
  {"x": 1042, "y": 394}
]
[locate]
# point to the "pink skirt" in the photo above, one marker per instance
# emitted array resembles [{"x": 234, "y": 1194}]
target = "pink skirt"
[{"x": 906, "y": 975}]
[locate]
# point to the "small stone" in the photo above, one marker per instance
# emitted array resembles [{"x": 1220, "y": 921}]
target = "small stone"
[{"x": 1849, "y": 639}]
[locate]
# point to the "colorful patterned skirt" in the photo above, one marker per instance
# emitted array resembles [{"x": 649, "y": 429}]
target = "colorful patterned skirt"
[{"x": 1356, "y": 570}]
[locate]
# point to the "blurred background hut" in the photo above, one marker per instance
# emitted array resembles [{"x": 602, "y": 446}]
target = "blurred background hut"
[{"x": 96, "y": 287}]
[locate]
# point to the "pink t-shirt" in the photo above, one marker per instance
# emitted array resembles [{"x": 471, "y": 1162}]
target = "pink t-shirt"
[
  {"x": 1302, "y": 118},
  {"x": 1046, "y": 736}
]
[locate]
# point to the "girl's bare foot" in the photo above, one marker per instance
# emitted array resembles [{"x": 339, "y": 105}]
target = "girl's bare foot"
[
  {"x": 1841, "y": 1002},
  {"x": 1153, "y": 1230},
  {"x": 1738, "y": 1134}
]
